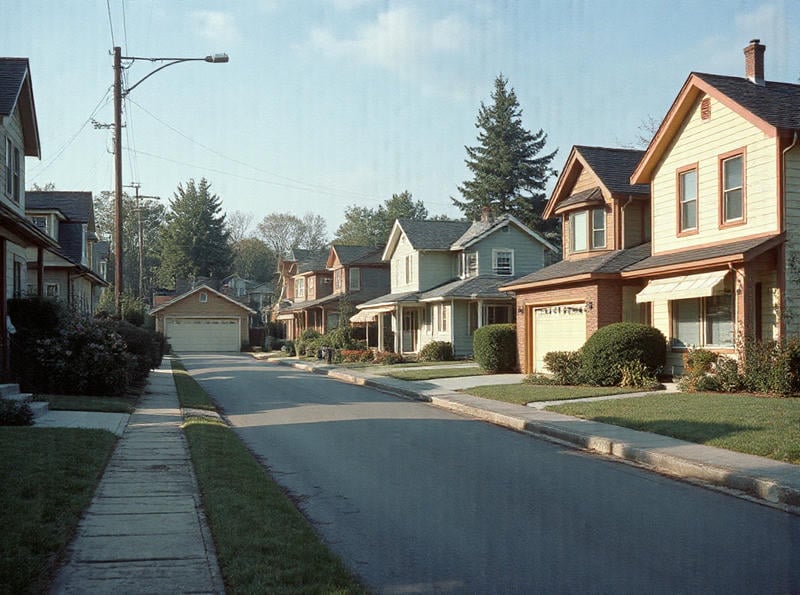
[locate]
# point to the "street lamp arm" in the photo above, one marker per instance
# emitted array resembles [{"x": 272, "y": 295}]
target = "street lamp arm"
[{"x": 215, "y": 59}]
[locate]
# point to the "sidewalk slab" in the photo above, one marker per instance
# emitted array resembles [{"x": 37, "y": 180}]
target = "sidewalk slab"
[
  {"x": 766, "y": 479},
  {"x": 92, "y": 420},
  {"x": 145, "y": 531}
]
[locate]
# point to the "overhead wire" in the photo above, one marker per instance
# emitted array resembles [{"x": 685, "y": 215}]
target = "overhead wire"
[{"x": 111, "y": 23}]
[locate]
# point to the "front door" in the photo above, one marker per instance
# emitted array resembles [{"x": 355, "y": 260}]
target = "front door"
[{"x": 410, "y": 319}]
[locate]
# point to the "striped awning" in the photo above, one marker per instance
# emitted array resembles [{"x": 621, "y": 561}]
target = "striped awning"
[
  {"x": 368, "y": 315},
  {"x": 683, "y": 288}
]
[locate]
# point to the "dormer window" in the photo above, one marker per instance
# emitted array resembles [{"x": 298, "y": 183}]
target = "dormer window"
[
  {"x": 587, "y": 230},
  {"x": 41, "y": 221}
]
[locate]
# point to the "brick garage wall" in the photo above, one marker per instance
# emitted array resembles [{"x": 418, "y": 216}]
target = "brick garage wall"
[
  {"x": 215, "y": 307},
  {"x": 605, "y": 297}
]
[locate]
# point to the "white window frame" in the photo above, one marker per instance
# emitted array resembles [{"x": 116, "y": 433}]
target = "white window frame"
[
  {"x": 468, "y": 265},
  {"x": 441, "y": 318},
  {"x": 300, "y": 288},
  {"x": 496, "y": 254},
  {"x": 408, "y": 263},
  {"x": 596, "y": 230},
  {"x": 203, "y": 297},
  {"x": 42, "y": 222},
  {"x": 56, "y": 290},
  {"x": 684, "y": 202},
  {"x": 338, "y": 274}
]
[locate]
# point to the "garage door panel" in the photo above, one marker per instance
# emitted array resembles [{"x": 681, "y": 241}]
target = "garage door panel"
[
  {"x": 203, "y": 334},
  {"x": 557, "y": 328}
]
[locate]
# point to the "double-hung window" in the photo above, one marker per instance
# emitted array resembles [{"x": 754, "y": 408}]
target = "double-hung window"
[
  {"x": 300, "y": 288},
  {"x": 503, "y": 262},
  {"x": 468, "y": 264},
  {"x": 687, "y": 198},
  {"x": 598, "y": 228},
  {"x": 355, "y": 279},
  {"x": 732, "y": 188},
  {"x": 441, "y": 318},
  {"x": 13, "y": 170},
  {"x": 582, "y": 236},
  {"x": 703, "y": 322}
]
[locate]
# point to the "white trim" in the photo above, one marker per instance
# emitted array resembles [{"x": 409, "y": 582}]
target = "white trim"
[{"x": 495, "y": 251}]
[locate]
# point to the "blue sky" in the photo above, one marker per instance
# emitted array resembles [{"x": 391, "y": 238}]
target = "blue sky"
[{"x": 329, "y": 103}]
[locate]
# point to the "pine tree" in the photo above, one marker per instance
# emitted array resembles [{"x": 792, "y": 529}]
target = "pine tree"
[
  {"x": 509, "y": 174},
  {"x": 195, "y": 239}
]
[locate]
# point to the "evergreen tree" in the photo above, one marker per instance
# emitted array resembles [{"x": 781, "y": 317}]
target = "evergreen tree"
[
  {"x": 509, "y": 174},
  {"x": 195, "y": 239},
  {"x": 371, "y": 227}
]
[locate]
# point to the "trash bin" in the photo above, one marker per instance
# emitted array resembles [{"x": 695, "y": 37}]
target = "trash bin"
[{"x": 327, "y": 354}]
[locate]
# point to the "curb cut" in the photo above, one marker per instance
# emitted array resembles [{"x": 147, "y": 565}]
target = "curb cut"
[{"x": 769, "y": 490}]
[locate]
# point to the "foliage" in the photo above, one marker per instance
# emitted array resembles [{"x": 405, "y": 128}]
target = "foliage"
[
  {"x": 436, "y": 351},
  {"x": 540, "y": 379},
  {"x": 495, "y": 347},
  {"x": 35, "y": 315},
  {"x": 613, "y": 346},
  {"x": 253, "y": 259},
  {"x": 342, "y": 337},
  {"x": 15, "y": 413},
  {"x": 283, "y": 232},
  {"x": 305, "y": 344},
  {"x": 355, "y": 355},
  {"x": 238, "y": 225},
  {"x": 194, "y": 241},
  {"x": 565, "y": 366},
  {"x": 364, "y": 226},
  {"x": 636, "y": 374},
  {"x": 705, "y": 370},
  {"x": 771, "y": 367},
  {"x": 699, "y": 361},
  {"x": 388, "y": 358},
  {"x": 288, "y": 347},
  {"x": 152, "y": 214},
  {"x": 145, "y": 346},
  {"x": 509, "y": 174},
  {"x": 134, "y": 310}
]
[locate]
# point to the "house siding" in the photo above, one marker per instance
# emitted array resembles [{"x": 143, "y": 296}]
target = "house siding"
[
  {"x": 792, "y": 258},
  {"x": 435, "y": 268},
  {"x": 702, "y": 142},
  {"x": 528, "y": 255},
  {"x": 586, "y": 180},
  {"x": 399, "y": 284},
  {"x": 12, "y": 128}
]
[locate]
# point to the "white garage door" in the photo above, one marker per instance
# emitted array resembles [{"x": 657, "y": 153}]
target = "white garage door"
[
  {"x": 203, "y": 334},
  {"x": 557, "y": 328}
]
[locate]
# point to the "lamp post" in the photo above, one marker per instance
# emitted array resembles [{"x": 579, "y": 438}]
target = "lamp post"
[{"x": 119, "y": 95}]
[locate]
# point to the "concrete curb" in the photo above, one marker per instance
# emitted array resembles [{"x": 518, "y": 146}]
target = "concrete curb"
[{"x": 771, "y": 481}]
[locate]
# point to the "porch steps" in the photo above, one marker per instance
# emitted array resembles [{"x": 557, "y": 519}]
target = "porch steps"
[{"x": 10, "y": 392}]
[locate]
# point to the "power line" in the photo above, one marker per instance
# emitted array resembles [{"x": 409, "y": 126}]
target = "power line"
[
  {"x": 110, "y": 23},
  {"x": 306, "y": 185}
]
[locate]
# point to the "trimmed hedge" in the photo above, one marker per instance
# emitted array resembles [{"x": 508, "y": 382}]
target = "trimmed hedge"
[
  {"x": 612, "y": 347},
  {"x": 495, "y": 347},
  {"x": 436, "y": 351}
]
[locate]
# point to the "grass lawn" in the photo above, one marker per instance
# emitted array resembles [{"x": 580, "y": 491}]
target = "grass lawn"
[
  {"x": 530, "y": 393},
  {"x": 436, "y": 373},
  {"x": 88, "y": 403},
  {"x": 47, "y": 479},
  {"x": 769, "y": 427},
  {"x": 264, "y": 544},
  {"x": 190, "y": 394}
]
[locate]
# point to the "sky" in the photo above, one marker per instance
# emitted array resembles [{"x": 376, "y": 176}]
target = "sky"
[{"x": 327, "y": 104}]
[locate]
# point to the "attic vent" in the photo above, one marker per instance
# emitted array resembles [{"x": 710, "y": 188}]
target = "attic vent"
[
  {"x": 705, "y": 109},
  {"x": 203, "y": 297}
]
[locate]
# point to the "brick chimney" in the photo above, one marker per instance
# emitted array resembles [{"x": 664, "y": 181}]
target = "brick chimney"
[
  {"x": 486, "y": 214},
  {"x": 754, "y": 62}
]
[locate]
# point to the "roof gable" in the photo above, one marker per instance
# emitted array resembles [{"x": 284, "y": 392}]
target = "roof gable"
[
  {"x": 342, "y": 255},
  {"x": 198, "y": 289},
  {"x": 77, "y": 206},
  {"x": 480, "y": 230},
  {"x": 16, "y": 92},
  {"x": 772, "y": 107}
]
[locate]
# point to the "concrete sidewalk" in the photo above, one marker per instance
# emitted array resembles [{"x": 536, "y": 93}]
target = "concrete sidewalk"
[
  {"x": 772, "y": 481},
  {"x": 145, "y": 531}
]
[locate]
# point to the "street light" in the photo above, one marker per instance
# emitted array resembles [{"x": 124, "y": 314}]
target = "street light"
[{"x": 119, "y": 94}]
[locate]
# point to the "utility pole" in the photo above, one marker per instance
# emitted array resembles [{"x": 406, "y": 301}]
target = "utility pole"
[
  {"x": 118, "y": 180},
  {"x": 138, "y": 209}
]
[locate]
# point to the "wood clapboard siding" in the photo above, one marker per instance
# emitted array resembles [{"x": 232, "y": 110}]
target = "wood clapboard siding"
[
  {"x": 528, "y": 254},
  {"x": 435, "y": 268},
  {"x": 12, "y": 128},
  {"x": 702, "y": 142},
  {"x": 585, "y": 181},
  {"x": 398, "y": 267}
]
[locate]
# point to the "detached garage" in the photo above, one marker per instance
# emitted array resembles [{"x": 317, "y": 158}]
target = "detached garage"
[{"x": 204, "y": 320}]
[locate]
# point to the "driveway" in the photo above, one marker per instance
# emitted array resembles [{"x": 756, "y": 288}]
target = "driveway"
[{"x": 415, "y": 499}]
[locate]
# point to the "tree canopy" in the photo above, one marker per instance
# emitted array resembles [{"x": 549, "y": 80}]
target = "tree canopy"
[
  {"x": 195, "y": 239},
  {"x": 509, "y": 174},
  {"x": 371, "y": 227},
  {"x": 253, "y": 259},
  {"x": 284, "y": 231}
]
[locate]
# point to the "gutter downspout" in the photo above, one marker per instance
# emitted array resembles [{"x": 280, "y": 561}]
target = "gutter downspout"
[{"x": 782, "y": 329}]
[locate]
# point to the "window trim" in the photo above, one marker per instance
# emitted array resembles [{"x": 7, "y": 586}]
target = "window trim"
[
  {"x": 679, "y": 173},
  {"x": 495, "y": 252},
  {"x": 441, "y": 318},
  {"x": 468, "y": 265},
  {"x": 588, "y": 230},
  {"x": 300, "y": 288},
  {"x": 721, "y": 160},
  {"x": 203, "y": 297},
  {"x": 592, "y": 229},
  {"x": 703, "y": 325},
  {"x": 354, "y": 273},
  {"x": 57, "y": 291}
]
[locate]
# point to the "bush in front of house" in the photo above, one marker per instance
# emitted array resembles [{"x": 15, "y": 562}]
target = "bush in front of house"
[
  {"x": 436, "y": 351},
  {"x": 771, "y": 367},
  {"x": 146, "y": 347},
  {"x": 565, "y": 366},
  {"x": 355, "y": 355},
  {"x": 388, "y": 358},
  {"x": 303, "y": 345},
  {"x": 611, "y": 347},
  {"x": 342, "y": 337},
  {"x": 14, "y": 413},
  {"x": 495, "y": 347}
]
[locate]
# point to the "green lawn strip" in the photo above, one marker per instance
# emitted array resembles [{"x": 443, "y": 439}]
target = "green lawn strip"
[
  {"x": 436, "y": 373},
  {"x": 768, "y": 427},
  {"x": 426, "y": 364},
  {"x": 264, "y": 545},
  {"x": 190, "y": 394},
  {"x": 88, "y": 403},
  {"x": 47, "y": 478},
  {"x": 523, "y": 393}
]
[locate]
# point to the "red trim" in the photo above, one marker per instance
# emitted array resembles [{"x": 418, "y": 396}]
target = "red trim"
[
  {"x": 723, "y": 224},
  {"x": 679, "y": 232}
]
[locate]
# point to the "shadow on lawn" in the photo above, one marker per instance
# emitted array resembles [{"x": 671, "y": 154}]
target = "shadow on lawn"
[{"x": 694, "y": 431}]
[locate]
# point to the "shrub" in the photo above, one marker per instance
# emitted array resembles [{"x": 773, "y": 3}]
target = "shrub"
[
  {"x": 565, "y": 366},
  {"x": 495, "y": 347},
  {"x": 771, "y": 367},
  {"x": 698, "y": 361},
  {"x": 354, "y": 355},
  {"x": 612, "y": 347},
  {"x": 343, "y": 337},
  {"x": 145, "y": 346},
  {"x": 540, "y": 379},
  {"x": 388, "y": 358},
  {"x": 301, "y": 346},
  {"x": 288, "y": 347},
  {"x": 436, "y": 351},
  {"x": 14, "y": 413},
  {"x": 636, "y": 374},
  {"x": 35, "y": 314}
]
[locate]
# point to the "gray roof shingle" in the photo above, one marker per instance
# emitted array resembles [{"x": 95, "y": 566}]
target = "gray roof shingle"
[
  {"x": 77, "y": 207},
  {"x": 349, "y": 255},
  {"x": 593, "y": 195},
  {"x": 12, "y": 77},
  {"x": 776, "y": 103},
  {"x": 614, "y": 167},
  {"x": 699, "y": 254},
  {"x": 433, "y": 235},
  {"x": 483, "y": 286}
]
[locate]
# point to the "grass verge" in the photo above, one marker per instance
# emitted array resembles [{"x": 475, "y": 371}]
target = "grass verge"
[
  {"x": 190, "y": 394},
  {"x": 264, "y": 545},
  {"x": 768, "y": 427},
  {"x": 88, "y": 403},
  {"x": 436, "y": 373},
  {"x": 47, "y": 479},
  {"x": 522, "y": 394}
]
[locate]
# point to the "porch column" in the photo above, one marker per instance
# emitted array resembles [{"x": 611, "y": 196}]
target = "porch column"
[
  {"x": 480, "y": 313},
  {"x": 745, "y": 304},
  {"x": 381, "y": 316},
  {"x": 40, "y": 271},
  {"x": 398, "y": 336}
]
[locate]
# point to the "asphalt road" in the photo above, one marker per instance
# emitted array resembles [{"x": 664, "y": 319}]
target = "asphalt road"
[{"x": 415, "y": 499}]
